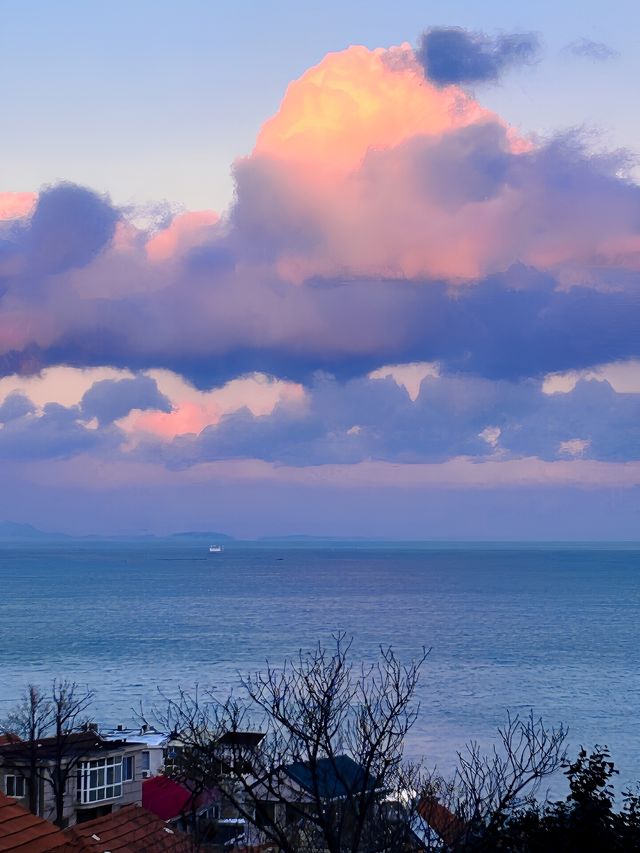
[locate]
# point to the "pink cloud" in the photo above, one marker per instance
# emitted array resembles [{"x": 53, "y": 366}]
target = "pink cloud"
[
  {"x": 16, "y": 205},
  {"x": 185, "y": 231},
  {"x": 195, "y": 410},
  {"x": 361, "y": 99}
]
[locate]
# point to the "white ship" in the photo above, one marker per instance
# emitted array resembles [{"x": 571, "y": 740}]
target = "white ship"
[{"x": 215, "y": 549}]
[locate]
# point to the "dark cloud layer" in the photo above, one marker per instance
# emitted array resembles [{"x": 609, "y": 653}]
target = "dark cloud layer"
[
  {"x": 453, "y": 55},
  {"x": 509, "y": 326}
]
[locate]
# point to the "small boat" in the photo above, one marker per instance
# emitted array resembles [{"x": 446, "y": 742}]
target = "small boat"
[{"x": 215, "y": 549}]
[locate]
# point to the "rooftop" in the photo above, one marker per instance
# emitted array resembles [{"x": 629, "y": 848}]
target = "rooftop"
[
  {"x": 130, "y": 829},
  {"x": 335, "y": 778},
  {"x": 75, "y": 744},
  {"x": 25, "y": 833},
  {"x": 149, "y": 737},
  {"x": 169, "y": 799}
]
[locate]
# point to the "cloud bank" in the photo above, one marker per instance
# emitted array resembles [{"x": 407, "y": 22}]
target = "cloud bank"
[{"x": 399, "y": 279}]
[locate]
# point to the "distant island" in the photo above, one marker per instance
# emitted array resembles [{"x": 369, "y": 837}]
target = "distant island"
[{"x": 11, "y": 531}]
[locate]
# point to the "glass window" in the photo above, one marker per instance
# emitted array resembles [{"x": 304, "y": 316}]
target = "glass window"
[
  {"x": 128, "y": 768},
  {"x": 144, "y": 760},
  {"x": 100, "y": 780},
  {"x": 14, "y": 786}
]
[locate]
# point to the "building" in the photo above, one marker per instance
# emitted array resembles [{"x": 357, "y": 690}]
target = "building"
[
  {"x": 95, "y": 776},
  {"x": 153, "y": 742}
]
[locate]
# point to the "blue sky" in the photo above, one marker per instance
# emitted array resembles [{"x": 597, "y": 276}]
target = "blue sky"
[
  {"x": 361, "y": 268},
  {"x": 154, "y": 100}
]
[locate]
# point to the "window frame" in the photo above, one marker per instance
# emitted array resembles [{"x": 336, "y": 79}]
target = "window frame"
[
  {"x": 94, "y": 784},
  {"x": 129, "y": 761},
  {"x": 18, "y": 782}
]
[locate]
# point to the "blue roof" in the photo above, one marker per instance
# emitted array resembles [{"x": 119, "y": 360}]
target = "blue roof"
[{"x": 335, "y": 777}]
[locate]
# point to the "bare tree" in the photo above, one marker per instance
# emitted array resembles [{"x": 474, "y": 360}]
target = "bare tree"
[
  {"x": 55, "y": 720},
  {"x": 30, "y": 720},
  {"x": 69, "y": 704},
  {"x": 487, "y": 787},
  {"x": 329, "y": 771}
]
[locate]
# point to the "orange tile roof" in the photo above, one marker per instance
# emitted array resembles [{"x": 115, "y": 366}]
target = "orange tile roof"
[
  {"x": 449, "y": 826},
  {"x": 26, "y": 833},
  {"x": 129, "y": 830}
]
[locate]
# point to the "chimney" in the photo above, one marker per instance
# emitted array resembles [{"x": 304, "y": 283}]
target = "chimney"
[{"x": 120, "y": 727}]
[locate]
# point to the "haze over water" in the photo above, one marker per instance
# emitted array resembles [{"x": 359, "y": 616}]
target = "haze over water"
[{"x": 552, "y": 627}]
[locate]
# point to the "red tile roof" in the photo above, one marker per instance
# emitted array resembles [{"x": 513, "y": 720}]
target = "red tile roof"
[
  {"x": 9, "y": 737},
  {"x": 25, "y": 832},
  {"x": 130, "y": 829}
]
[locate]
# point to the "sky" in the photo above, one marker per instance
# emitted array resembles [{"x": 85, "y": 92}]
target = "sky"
[{"x": 361, "y": 269}]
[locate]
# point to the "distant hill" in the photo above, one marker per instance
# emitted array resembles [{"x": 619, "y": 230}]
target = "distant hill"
[
  {"x": 11, "y": 530},
  {"x": 208, "y": 535}
]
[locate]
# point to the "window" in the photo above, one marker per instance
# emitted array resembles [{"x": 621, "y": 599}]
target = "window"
[
  {"x": 100, "y": 780},
  {"x": 144, "y": 760},
  {"x": 14, "y": 786},
  {"x": 128, "y": 768}
]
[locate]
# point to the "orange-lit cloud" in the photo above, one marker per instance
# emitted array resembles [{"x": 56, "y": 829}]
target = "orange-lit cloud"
[
  {"x": 372, "y": 160},
  {"x": 361, "y": 99},
  {"x": 16, "y": 205},
  {"x": 373, "y": 216}
]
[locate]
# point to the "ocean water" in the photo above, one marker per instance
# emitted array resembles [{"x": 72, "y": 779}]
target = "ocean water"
[{"x": 553, "y": 628}]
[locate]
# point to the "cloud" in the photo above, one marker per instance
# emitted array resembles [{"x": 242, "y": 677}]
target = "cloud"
[
  {"x": 14, "y": 406},
  {"x": 358, "y": 100},
  {"x": 192, "y": 410},
  {"x": 452, "y": 416},
  {"x": 596, "y": 51},
  {"x": 185, "y": 231},
  {"x": 69, "y": 226},
  {"x": 64, "y": 385},
  {"x": 16, "y": 205},
  {"x": 406, "y": 294},
  {"x": 436, "y": 234},
  {"x": 110, "y": 400},
  {"x": 452, "y": 55},
  {"x": 623, "y": 376},
  {"x": 55, "y": 433}
]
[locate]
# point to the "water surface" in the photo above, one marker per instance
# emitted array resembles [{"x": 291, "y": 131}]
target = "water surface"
[{"x": 510, "y": 627}]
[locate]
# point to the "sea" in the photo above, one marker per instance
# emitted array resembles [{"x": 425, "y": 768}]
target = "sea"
[{"x": 550, "y": 627}]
